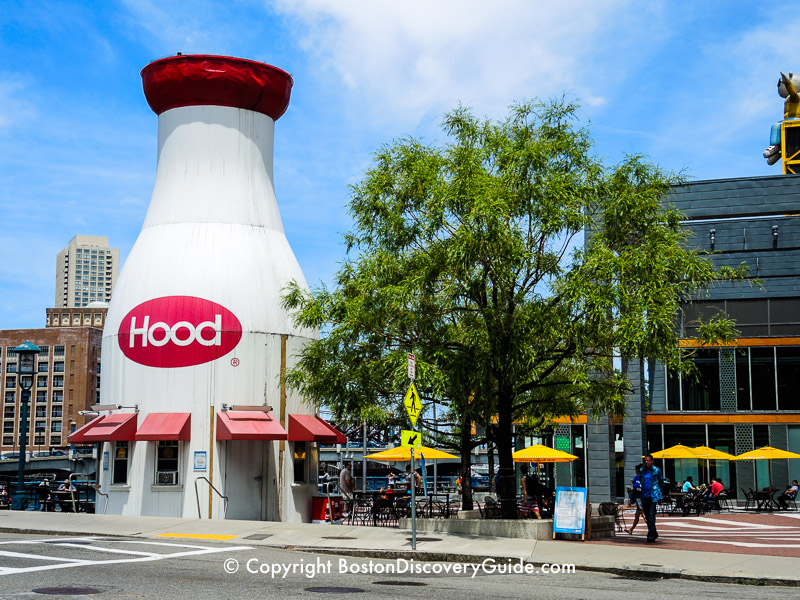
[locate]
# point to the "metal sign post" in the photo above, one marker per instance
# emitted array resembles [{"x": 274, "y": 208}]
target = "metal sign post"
[
  {"x": 413, "y": 407},
  {"x": 413, "y": 485}
]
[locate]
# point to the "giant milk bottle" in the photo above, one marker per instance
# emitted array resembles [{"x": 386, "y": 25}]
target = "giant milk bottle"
[{"x": 195, "y": 321}]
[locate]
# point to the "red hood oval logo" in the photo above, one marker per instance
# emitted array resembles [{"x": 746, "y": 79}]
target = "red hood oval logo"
[{"x": 178, "y": 331}]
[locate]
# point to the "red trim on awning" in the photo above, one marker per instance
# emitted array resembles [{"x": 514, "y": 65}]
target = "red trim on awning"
[
  {"x": 248, "y": 425},
  {"x": 308, "y": 428},
  {"x": 76, "y": 437},
  {"x": 165, "y": 426},
  {"x": 110, "y": 428}
]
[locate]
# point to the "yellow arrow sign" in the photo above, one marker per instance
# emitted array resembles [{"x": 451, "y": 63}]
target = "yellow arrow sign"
[
  {"x": 410, "y": 439},
  {"x": 413, "y": 403}
]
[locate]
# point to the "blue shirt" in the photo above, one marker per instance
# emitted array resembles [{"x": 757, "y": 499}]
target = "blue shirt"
[
  {"x": 646, "y": 484},
  {"x": 687, "y": 487}
]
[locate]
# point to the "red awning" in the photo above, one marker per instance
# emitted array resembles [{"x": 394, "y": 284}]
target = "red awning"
[
  {"x": 308, "y": 428},
  {"x": 76, "y": 437},
  {"x": 165, "y": 426},
  {"x": 248, "y": 425},
  {"x": 108, "y": 428}
]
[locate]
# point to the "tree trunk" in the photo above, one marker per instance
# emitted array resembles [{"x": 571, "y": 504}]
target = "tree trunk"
[
  {"x": 466, "y": 462},
  {"x": 490, "y": 459},
  {"x": 503, "y": 437}
]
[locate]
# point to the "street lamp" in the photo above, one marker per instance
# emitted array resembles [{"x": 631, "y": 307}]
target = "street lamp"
[{"x": 27, "y": 354}]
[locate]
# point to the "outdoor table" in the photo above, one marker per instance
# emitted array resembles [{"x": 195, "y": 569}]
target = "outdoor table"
[
  {"x": 764, "y": 500},
  {"x": 680, "y": 502},
  {"x": 63, "y": 498}
]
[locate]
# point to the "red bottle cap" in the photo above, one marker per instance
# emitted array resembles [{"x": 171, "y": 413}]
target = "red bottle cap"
[{"x": 197, "y": 79}]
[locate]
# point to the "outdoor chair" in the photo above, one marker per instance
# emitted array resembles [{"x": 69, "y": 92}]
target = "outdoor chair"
[
  {"x": 361, "y": 513},
  {"x": 749, "y": 499},
  {"x": 723, "y": 500},
  {"x": 387, "y": 511},
  {"x": 615, "y": 510},
  {"x": 699, "y": 503},
  {"x": 491, "y": 510},
  {"x": 666, "y": 506}
]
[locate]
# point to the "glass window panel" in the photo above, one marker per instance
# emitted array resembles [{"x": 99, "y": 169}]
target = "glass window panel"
[
  {"x": 721, "y": 437},
  {"x": 788, "y": 361},
  {"x": 784, "y": 311},
  {"x": 688, "y": 435},
  {"x": 167, "y": 456},
  {"x": 579, "y": 450},
  {"x": 761, "y": 439},
  {"x": 750, "y": 316},
  {"x": 696, "y": 311},
  {"x": 743, "y": 379},
  {"x": 701, "y": 390},
  {"x": 120, "y": 463},
  {"x": 673, "y": 391},
  {"x": 762, "y": 372}
]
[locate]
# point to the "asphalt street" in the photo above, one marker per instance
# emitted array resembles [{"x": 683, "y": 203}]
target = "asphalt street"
[{"x": 124, "y": 568}]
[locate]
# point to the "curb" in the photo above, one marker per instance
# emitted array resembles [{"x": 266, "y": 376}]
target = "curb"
[{"x": 654, "y": 573}]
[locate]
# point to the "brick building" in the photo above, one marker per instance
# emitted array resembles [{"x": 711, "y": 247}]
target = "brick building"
[{"x": 67, "y": 380}]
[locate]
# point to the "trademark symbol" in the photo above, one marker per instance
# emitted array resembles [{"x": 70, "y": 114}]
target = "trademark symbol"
[{"x": 235, "y": 362}]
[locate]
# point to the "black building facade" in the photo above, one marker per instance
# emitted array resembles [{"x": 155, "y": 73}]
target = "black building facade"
[{"x": 747, "y": 394}]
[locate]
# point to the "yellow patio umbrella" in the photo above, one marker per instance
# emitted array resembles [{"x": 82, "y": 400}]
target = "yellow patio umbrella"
[
  {"x": 676, "y": 452},
  {"x": 708, "y": 454},
  {"x": 401, "y": 453},
  {"x": 767, "y": 453},
  {"x": 542, "y": 454}
]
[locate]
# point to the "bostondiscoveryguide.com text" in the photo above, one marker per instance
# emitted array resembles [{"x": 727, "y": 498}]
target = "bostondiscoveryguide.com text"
[{"x": 399, "y": 566}]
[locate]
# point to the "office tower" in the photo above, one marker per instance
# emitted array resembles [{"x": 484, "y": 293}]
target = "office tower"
[{"x": 86, "y": 271}]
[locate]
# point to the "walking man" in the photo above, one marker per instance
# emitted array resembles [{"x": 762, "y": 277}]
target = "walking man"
[
  {"x": 346, "y": 486},
  {"x": 652, "y": 482}
]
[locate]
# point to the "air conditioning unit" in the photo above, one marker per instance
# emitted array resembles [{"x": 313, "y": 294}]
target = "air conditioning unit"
[{"x": 166, "y": 477}]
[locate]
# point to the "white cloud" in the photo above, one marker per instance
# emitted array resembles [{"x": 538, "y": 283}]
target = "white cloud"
[{"x": 408, "y": 58}]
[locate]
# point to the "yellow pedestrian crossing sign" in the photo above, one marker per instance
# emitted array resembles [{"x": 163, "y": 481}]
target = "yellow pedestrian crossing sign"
[
  {"x": 413, "y": 404},
  {"x": 410, "y": 439}
]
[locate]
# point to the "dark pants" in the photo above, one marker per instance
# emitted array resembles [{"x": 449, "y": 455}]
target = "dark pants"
[{"x": 649, "y": 509}]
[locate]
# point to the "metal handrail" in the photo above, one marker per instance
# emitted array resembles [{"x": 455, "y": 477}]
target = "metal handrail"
[
  {"x": 220, "y": 494},
  {"x": 97, "y": 491},
  {"x": 72, "y": 491}
]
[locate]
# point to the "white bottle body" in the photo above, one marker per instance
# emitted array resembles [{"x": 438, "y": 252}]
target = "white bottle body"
[{"x": 213, "y": 235}]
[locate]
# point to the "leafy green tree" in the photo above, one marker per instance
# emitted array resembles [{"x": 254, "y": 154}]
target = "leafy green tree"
[{"x": 472, "y": 255}]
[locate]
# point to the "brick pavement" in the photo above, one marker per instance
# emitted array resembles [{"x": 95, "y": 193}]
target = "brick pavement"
[{"x": 738, "y": 532}]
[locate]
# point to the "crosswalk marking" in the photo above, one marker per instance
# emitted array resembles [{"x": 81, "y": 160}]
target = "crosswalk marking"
[
  {"x": 728, "y": 530},
  {"x": 101, "y": 545}
]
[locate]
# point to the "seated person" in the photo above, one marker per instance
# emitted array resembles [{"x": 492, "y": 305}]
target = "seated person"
[
  {"x": 66, "y": 486},
  {"x": 789, "y": 494},
  {"x": 388, "y": 492},
  {"x": 688, "y": 486},
  {"x": 716, "y": 489}
]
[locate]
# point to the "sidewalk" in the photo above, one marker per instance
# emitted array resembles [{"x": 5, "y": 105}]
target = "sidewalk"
[{"x": 380, "y": 542}]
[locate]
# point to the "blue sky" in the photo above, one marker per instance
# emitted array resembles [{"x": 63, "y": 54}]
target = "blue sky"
[{"x": 690, "y": 84}]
